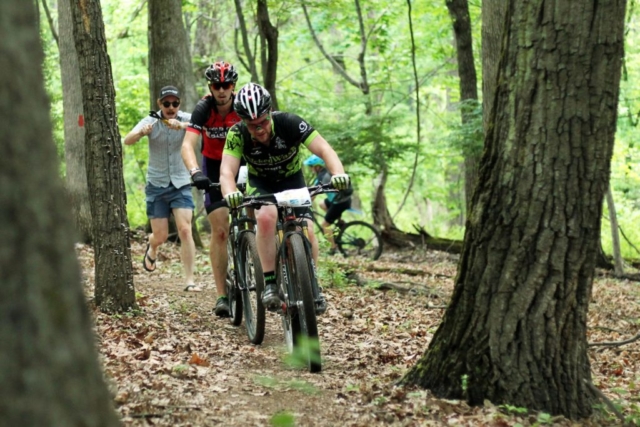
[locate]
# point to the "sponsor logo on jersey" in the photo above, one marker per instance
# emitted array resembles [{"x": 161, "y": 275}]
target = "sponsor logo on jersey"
[
  {"x": 303, "y": 126},
  {"x": 280, "y": 144},
  {"x": 216, "y": 132}
]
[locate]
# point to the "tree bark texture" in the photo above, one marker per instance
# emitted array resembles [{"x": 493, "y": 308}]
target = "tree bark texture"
[
  {"x": 49, "y": 371},
  {"x": 493, "y": 28},
  {"x": 169, "y": 57},
  {"x": 76, "y": 172},
  {"x": 113, "y": 270},
  {"x": 459, "y": 12},
  {"x": 516, "y": 324}
]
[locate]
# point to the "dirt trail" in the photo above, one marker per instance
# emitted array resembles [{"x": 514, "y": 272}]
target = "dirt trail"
[{"x": 174, "y": 363}]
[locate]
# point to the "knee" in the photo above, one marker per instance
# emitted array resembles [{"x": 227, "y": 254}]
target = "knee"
[
  {"x": 160, "y": 236},
  {"x": 266, "y": 220},
  {"x": 184, "y": 231}
]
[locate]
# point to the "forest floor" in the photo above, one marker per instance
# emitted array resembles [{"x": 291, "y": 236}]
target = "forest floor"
[{"x": 174, "y": 363}]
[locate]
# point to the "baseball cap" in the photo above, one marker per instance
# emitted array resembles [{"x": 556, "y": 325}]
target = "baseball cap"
[{"x": 169, "y": 90}]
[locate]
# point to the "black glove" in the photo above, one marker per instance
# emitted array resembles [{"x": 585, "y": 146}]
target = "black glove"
[{"x": 200, "y": 181}]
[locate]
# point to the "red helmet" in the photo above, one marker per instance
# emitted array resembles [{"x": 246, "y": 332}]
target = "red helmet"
[{"x": 221, "y": 72}]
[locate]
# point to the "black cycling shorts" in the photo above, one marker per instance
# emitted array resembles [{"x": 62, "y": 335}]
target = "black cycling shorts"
[{"x": 335, "y": 210}]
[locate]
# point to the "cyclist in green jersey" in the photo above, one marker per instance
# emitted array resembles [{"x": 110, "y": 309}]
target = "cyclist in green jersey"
[{"x": 270, "y": 142}]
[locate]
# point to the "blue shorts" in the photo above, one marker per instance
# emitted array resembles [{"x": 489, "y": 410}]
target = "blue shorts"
[{"x": 160, "y": 201}]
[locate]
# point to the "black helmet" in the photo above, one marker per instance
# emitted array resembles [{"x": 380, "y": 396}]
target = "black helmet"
[
  {"x": 252, "y": 101},
  {"x": 221, "y": 72}
]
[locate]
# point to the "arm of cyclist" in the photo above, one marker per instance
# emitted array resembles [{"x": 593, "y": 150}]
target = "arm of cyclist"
[
  {"x": 199, "y": 179},
  {"x": 228, "y": 171},
  {"x": 320, "y": 147}
]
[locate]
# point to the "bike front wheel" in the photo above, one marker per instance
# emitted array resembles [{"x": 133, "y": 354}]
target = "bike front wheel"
[
  {"x": 233, "y": 292},
  {"x": 299, "y": 272},
  {"x": 360, "y": 239},
  {"x": 252, "y": 280}
]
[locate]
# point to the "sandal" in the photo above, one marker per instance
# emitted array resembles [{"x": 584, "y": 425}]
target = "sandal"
[
  {"x": 151, "y": 261},
  {"x": 193, "y": 288}
]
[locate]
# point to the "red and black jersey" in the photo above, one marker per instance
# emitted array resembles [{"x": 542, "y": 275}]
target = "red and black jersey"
[{"x": 206, "y": 121}]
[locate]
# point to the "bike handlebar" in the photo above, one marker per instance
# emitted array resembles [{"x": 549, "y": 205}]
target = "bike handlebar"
[{"x": 270, "y": 199}]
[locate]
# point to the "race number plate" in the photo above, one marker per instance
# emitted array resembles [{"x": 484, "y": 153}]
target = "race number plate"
[{"x": 297, "y": 198}]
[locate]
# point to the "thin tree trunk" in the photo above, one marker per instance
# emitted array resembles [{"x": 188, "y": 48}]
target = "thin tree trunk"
[
  {"x": 615, "y": 236},
  {"x": 269, "y": 38},
  {"x": 459, "y": 11},
  {"x": 169, "y": 62},
  {"x": 113, "y": 270},
  {"x": 49, "y": 370},
  {"x": 74, "y": 132}
]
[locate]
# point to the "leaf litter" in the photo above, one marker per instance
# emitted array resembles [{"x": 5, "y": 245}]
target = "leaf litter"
[{"x": 172, "y": 362}]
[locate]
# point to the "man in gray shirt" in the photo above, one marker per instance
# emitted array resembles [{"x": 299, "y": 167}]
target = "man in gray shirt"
[{"x": 168, "y": 182}]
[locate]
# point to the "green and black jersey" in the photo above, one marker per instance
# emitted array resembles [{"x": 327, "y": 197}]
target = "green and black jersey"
[{"x": 282, "y": 157}]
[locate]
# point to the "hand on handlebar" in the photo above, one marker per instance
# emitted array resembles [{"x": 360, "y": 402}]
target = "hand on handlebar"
[
  {"x": 234, "y": 199},
  {"x": 340, "y": 181},
  {"x": 200, "y": 181}
]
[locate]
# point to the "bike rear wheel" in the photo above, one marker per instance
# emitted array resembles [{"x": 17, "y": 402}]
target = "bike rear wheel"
[
  {"x": 252, "y": 286},
  {"x": 359, "y": 239},
  {"x": 299, "y": 271},
  {"x": 233, "y": 292}
]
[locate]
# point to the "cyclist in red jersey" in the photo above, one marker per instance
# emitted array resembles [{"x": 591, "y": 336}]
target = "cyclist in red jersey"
[{"x": 212, "y": 117}]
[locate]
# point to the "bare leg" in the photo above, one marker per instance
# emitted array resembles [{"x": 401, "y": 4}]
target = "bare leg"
[
  {"x": 314, "y": 242},
  {"x": 187, "y": 247},
  {"x": 328, "y": 232},
  {"x": 219, "y": 220},
  {"x": 159, "y": 234},
  {"x": 266, "y": 237}
]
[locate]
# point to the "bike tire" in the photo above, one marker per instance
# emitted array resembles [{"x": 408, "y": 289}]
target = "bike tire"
[
  {"x": 233, "y": 291},
  {"x": 290, "y": 323},
  {"x": 252, "y": 286},
  {"x": 359, "y": 239},
  {"x": 300, "y": 270}
]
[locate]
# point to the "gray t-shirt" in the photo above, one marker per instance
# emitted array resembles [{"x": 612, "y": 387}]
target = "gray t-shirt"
[{"x": 165, "y": 161}]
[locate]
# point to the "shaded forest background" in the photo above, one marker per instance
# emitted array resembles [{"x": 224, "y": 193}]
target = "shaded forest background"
[{"x": 309, "y": 85}]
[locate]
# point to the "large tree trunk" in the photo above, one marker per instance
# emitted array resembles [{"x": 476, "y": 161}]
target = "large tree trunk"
[
  {"x": 76, "y": 171},
  {"x": 459, "y": 11},
  {"x": 169, "y": 57},
  {"x": 516, "y": 324},
  {"x": 113, "y": 270},
  {"x": 49, "y": 371}
]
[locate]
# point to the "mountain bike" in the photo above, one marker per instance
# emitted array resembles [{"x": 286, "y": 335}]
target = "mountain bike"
[
  {"x": 356, "y": 239},
  {"x": 296, "y": 271},
  {"x": 245, "y": 280}
]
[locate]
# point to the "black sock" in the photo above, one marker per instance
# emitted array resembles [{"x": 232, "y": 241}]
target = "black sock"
[{"x": 270, "y": 278}]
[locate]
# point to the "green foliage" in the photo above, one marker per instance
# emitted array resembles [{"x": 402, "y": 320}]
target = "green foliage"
[
  {"x": 364, "y": 128},
  {"x": 467, "y": 136},
  {"x": 306, "y": 349},
  {"x": 283, "y": 419}
]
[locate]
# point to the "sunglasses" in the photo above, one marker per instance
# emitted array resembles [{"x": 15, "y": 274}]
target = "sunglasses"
[
  {"x": 218, "y": 86},
  {"x": 175, "y": 104},
  {"x": 263, "y": 123}
]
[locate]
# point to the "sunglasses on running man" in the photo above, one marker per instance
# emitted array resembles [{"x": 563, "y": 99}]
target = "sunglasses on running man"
[
  {"x": 225, "y": 85},
  {"x": 175, "y": 104}
]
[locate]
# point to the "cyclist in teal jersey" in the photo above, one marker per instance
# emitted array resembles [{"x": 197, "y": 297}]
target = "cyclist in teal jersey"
[
  {"x": 270, "y": 142},
  {"x": 334, "y": 204}
]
